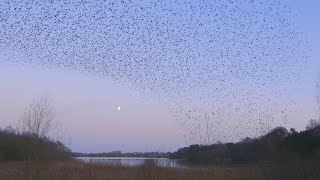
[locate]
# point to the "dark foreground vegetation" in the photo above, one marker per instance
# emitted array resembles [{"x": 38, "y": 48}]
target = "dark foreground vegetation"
[
  {"x": 75, "y": 170},
  {"x": 278, "y": 146}
]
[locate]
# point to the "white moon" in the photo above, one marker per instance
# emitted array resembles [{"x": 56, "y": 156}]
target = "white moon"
[{"x": 119, "y": 108}]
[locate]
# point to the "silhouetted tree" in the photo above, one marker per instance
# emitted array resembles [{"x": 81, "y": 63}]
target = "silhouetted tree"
[
  {"x": 317, "y": 95},
  {"x": 37, "y": 122},
  {"x": 312, "y": 124},
  {"x": 293, "y": 131}
]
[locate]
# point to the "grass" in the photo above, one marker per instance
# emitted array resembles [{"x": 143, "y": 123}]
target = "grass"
[{"x": 76, "y": 170}]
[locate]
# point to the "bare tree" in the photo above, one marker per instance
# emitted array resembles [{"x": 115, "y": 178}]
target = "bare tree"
[
  {"x": 37, "y": 122},
  {"x": 38, "y": 118},
  {"x": 318, "y": 96},
  {"x": 313, "y": 123},
  {"x": 208, "y": 130}
]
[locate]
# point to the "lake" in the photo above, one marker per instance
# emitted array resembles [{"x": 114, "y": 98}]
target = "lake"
[{"x": 132, "y": 161}]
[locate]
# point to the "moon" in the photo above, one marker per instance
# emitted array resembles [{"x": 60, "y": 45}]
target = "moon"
[{"x": 118, "y": 108}]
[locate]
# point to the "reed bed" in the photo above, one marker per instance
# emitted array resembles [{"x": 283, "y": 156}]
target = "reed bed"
[{"x": 77, "y": 170}]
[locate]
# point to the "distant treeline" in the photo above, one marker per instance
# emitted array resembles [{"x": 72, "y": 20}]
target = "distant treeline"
[
  {"x": 121, "y": 154},
  {"x": 15, "y": 146},
  {"x": 278, "y": 145}
]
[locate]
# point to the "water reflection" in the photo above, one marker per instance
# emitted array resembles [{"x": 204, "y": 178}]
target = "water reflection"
[{"x": 133, "y": 161}]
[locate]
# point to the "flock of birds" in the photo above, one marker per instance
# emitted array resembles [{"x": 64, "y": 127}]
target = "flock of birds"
[{"x": 225, "y": 68}]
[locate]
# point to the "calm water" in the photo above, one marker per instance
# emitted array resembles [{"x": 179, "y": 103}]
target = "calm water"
[{"x": 132, "y": 161}]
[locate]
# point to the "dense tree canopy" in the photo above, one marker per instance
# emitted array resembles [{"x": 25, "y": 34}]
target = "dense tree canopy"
[{"x": 277, "y": 145}]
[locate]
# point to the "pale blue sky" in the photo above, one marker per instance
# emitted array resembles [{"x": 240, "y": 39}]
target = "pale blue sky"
[{"x": 84, "y": 104}]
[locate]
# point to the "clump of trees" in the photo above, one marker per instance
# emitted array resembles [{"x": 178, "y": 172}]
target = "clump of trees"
[
  {"x": 31, "y": 141},
  {"x": 15, "y": 146},
  {"x": 278, "y": 145}
]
